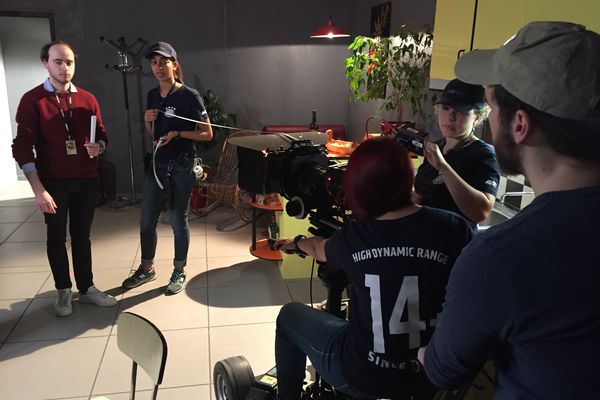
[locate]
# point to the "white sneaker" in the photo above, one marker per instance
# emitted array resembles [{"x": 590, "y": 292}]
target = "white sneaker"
[
  {"x": 97, "y": 297},
  {"x": 62, "y": 306}
]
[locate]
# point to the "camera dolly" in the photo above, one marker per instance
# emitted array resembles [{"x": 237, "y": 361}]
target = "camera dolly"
[{"x": 233, "y": 378}]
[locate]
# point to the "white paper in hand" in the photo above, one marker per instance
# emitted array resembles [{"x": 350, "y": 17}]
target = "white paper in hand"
[{"x": 93, "y": 129}]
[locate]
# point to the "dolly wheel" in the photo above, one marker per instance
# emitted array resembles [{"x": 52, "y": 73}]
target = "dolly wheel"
[{"x": 233, "y": 378}]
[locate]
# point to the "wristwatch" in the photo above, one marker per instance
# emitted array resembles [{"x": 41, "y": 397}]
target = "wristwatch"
[{"x": 298, "y": 250}]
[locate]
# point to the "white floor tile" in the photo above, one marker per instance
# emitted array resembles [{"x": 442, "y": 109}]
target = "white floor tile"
[
  {"x": 7, "y": 229},
  {"x": 187, "y": 309},
  {"x": 255, "y": 342},
  {"x": 187, "y": 364},
  {"x": 25, "y": 268},
  {"x": 22, "y": 254},
  {"x": 29, "y": 232},
  {"x": 108, "y": 250},
  {"x": 37, "y": 216},
  {"x": 234, "y": 295},
  {"x": 40, "y": 323},
  {"x": 20, "y": 285},
  {"x": 106, "y": 279},
  {"x": 195, "y": 273},
  {"x": 234, "y": 244},
  {"x": 165, "y": 248},
  {"x": 10, "y": 312},
  {"x": 197, "y": 392},
  {"x": 251, "y": 272},
  {"x": 234, "y": 305},
  {"x": 15, "y": 214},
  {"x": 61, "y": 368},
  {"x": 300, "y": 290}
]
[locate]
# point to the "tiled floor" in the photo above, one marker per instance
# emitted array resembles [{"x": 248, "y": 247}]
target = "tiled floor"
[{"x": 228, "y": 308}]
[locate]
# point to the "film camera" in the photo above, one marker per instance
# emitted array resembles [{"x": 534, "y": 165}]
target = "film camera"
[{"x": 297, "y": 167}]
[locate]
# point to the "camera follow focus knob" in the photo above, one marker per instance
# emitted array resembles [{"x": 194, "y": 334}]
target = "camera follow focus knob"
[{"x": 295, "y": 208}]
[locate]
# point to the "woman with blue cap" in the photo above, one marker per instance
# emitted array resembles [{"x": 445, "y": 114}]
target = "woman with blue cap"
[
  {"x": 175, "y": 117},
  {"x": 460, "y": 172}
]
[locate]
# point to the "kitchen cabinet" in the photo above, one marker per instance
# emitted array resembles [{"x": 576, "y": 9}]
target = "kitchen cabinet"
[
  {"x": 451, "y": 36},
  {"x": 464, "y": 25}
]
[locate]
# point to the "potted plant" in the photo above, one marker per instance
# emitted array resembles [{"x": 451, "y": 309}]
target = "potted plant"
[
  {"x": 400, "y": 62},
  {"x": 210, "y": 151}
]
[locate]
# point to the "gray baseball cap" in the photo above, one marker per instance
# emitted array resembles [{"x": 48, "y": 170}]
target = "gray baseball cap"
[{"x": 552, "y": 66}]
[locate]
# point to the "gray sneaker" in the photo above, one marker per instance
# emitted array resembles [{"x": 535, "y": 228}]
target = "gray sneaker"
[
  {"x": 63, "y": 306},
  {"x": 177, "y": 282},
  {"x": 139, "y": 277}
]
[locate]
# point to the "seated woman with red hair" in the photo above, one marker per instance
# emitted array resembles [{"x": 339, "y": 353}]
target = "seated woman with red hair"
[{"x": 397, "y": 257}]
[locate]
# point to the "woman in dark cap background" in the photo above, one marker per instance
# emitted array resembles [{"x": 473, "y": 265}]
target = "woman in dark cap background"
[
  {"x": 169, "y": 182},
  {"x": 460, "y": 172}
]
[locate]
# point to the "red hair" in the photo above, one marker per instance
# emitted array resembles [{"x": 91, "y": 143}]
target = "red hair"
[{"x": 379, "y": 178}]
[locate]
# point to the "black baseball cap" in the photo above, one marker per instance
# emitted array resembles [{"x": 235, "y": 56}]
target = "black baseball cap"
[
  {"x": 462, "y": 96},
  {"x": 162, "y": 48}
]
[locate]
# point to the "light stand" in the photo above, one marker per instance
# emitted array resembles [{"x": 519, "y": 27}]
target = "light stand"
[{"x": 123, "y": 49}]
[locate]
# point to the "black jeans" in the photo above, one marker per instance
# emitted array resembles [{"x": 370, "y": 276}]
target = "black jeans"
[{"x": 76, "y": 201}]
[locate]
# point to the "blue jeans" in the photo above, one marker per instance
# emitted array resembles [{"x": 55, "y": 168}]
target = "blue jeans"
[
  {"x": 178, "y": 181},
  {"x": 76, "y": 201},
  {"x": 304, "y": 331}
]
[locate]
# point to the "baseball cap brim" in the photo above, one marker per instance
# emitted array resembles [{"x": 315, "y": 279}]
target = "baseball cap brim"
[
  {"x": 162, "y": 53},
  {"x": 459, "y": 105},
  {"x": 477, "y": 68}
]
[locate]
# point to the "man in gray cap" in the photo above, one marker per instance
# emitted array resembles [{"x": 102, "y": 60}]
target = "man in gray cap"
[{"x": 526, "y": 293}]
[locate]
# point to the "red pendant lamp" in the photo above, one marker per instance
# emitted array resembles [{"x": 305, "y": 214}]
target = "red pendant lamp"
[{"x": 329, "y": 31}]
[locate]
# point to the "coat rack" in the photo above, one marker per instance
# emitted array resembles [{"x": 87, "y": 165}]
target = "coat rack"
[{"x": 123, "y": 50}]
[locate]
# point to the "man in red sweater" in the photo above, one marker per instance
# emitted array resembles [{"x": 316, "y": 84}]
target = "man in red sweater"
[{"x": 53, "y": 149}]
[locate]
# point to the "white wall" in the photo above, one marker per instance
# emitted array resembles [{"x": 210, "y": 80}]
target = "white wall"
[
  {"x": 9, "y": 175},
  {"x": 22, "y": 38}
]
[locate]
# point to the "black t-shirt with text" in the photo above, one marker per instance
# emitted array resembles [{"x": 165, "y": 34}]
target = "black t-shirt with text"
[
  {"x": 184, "y": 102},
  {"x": 398, "y": 271}
]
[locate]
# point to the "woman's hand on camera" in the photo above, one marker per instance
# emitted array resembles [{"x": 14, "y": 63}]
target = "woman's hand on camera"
[
  {"x": 151, "y": 115},
  {"x": 434, "y": 155}
]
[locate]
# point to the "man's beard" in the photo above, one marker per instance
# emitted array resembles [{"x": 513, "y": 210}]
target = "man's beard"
[{"x": 507, "y": 152}]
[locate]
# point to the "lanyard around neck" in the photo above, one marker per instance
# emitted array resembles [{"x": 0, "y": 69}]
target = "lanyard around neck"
[{"x": 62, "y": 113}]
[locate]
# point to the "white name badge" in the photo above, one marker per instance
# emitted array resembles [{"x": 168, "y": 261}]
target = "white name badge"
[{"x": 71, "y": 147}]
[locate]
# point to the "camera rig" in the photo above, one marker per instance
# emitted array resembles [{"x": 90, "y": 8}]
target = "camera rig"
[
  {"x": 297, "y": 167},
  {"x": 407, "y": 134}
]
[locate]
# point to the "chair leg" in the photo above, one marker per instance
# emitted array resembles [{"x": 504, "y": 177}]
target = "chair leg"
[
  {"x": 133, "y": 381},
  {"x": 155, "y": 392}
]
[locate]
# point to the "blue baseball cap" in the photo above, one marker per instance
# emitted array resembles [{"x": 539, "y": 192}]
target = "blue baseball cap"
[
  {"x": 462, "y": 96},
  {"x": 162, "y": 48}
]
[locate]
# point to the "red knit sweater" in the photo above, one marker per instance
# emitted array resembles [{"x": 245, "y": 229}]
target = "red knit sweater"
[{"x": 42, "y": 128}]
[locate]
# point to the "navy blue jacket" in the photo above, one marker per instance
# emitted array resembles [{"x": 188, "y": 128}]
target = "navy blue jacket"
[{"x": 526, "y": 293}]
